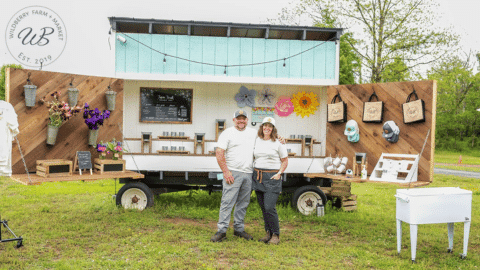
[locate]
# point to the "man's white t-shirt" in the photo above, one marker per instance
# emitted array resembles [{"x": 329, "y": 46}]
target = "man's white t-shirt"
[
  {"x": 268, "y": 154},
  {"x": 238, "y": 146}
]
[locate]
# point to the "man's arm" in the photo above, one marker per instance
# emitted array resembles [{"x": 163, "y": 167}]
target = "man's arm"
[{"x": 222, "y": 163}]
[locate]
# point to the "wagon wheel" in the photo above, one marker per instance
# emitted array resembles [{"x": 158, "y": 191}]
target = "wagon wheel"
[
  {"x": 306, "y": 198},
  {"x": 135, "y": 196}
]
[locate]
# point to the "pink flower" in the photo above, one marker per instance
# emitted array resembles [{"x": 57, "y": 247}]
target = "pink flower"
[{"x": 284, "y": 106}]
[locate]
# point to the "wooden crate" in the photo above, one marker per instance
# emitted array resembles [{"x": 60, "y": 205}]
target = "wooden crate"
[
  {"x": 54, "y": 167},
  {"x": 105, "y": 166},
  {"x": 348, "y": 203}
]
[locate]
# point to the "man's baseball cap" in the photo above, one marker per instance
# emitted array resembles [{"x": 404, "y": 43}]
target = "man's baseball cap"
[
  {"x": 351, "y": 128},
  {"x": 268, "y": 120},
  {"x": 239, "y": 113}
]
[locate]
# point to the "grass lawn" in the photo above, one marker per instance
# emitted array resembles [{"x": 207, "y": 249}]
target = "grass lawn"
[
  {"x": 442, "y": 156},
  {"x": 76, "y": 225}
]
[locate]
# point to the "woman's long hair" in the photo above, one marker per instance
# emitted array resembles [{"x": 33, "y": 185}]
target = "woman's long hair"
[{"x": 273, "y": 136}]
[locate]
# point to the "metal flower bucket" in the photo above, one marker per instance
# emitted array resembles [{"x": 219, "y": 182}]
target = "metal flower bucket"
[
  {"x": 111, "y": 97},
  {"x": 92, "y": 137},
  {"x": 30, "y": 94},
  {"x": 52, "y": 132},
  {"x": 73, "y": 96}
]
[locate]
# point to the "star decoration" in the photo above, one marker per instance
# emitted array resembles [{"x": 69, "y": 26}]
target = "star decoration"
[
  {"x": 266, "y": 97},
  {"x": 305, "y": 103},
  {"x": 245, "y": 97}
]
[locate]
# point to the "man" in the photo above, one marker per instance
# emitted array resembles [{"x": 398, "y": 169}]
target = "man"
[{"x": 235, "y": 158}]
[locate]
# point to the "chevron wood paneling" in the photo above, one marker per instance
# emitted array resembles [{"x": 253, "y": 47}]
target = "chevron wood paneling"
[
  {"x": 73, "y": 135},
  {"x": 412, "y": 136}
]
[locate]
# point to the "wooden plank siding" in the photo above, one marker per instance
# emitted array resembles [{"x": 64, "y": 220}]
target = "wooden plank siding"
[
  {"x": 412, "y": 136},
  {"x": 73, "y": 135},
  {"x": 317, "y": 63}
]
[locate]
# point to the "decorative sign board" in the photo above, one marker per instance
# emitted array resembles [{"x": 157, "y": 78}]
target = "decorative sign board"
[
  {"x": 259, "y": 113},
  {"x": 166, "y": 105},
  {"x": 84, "y": 161}
]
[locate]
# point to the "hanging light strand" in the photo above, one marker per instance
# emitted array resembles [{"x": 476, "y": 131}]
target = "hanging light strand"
[{"x": 218, "y": 65}]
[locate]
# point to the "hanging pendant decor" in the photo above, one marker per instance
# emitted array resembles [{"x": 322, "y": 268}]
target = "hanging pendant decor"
[
  {"x": 284, "y": 106},
  {"x": 266, "y": 98},
  {"x": 305, "y": 103},
  {"x": 111, "y": 97},
  {"x": 245, "y": 97},
  {"x": 30, "y": 92},
  {"x": 52, "y": 132}
]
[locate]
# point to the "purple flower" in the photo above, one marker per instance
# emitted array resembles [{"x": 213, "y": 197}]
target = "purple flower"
[{"x": 94, "y": 118}]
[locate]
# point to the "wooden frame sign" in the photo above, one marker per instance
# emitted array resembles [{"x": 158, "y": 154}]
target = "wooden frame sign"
[{"x": 166, "y": 105}]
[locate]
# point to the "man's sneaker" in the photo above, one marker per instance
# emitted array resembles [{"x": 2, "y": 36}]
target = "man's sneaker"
[
  {"x": 218, "y": 237},
  {"x": 243, "y": 235}
]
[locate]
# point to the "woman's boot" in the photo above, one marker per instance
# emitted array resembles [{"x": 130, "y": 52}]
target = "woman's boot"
[
  {"x": 266, "y": 238},
  {"x": 275, "y": 240}
]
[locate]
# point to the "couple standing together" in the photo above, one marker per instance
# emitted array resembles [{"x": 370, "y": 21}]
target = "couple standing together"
[{"x": 236, "y": 148}]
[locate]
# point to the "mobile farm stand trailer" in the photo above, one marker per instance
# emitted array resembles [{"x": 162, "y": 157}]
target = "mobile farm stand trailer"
[{"x": 175, "y": 86}]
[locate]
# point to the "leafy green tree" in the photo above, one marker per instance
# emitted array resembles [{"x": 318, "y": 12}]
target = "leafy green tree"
[
  {"x": 458, "y": 97},
  {"x": 2, "y": 78},
  {"x": 385, "y": 31}
]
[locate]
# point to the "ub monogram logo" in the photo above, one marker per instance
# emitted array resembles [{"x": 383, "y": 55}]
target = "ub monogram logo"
[{"x": 36, "y": 36}]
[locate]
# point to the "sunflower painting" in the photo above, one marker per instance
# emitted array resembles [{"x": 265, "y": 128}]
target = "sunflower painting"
[{"x": 305, "y": 104}]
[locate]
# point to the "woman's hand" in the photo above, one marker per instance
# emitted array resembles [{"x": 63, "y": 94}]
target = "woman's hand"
[{"x": 276, "y": 176}]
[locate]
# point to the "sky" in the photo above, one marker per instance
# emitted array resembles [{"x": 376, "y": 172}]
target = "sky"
[{"x": 86, "y": 49}]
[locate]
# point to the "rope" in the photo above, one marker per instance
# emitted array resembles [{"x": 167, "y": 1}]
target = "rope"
[{"x": 23, "y": 159}]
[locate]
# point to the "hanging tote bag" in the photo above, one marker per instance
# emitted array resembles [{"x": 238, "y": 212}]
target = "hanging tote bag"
[
  {"x": 373, "y": 110},
  {"x": 337, "y": 111},
  {"x": 413, "y": 111}
]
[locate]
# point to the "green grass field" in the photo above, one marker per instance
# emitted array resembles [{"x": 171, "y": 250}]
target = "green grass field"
[{"x": 76, "y": 225}]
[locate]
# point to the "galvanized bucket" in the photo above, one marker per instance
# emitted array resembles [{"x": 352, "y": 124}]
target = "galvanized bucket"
[
  {"x": 30, "y": 94},
  {"x": 111, "y": 97},
  {"x": 72, "y": 96},
  {"x": 52, "y": 132},
  {"x": 92, "y": 137}
]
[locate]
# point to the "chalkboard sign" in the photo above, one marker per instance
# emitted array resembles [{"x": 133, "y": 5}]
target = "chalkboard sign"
[
  {"x": 166, "y": 105},
  {"x": 84, "y": 160}
]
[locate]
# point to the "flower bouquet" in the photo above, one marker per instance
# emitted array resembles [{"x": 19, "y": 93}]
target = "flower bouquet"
[
  {"x": 58, "y": 113},
  {"x": 114, "y": 147},
  {"x": 94, "y": 119}
]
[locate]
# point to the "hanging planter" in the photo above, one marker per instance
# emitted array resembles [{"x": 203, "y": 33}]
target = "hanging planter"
[
  {"x": 30, "y": 93},
  {"x": 72, "y": 95},
  {"x": 111, "y": 97},
  {"x": 52, "y": 132},
  {"x": 92, "y": 137}
]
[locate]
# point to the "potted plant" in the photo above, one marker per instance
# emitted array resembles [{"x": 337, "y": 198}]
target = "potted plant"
[
  {"x": 94, "y": 119},
  {"x": 59, "y": 112},
  {"x": 102, "y": 148},
  {"x": 116, "y": 148}
]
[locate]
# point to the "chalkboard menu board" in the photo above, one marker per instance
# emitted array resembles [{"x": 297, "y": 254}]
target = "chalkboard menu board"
[
  {"x": 84, "y": 160},
  {"x": 166, "y": 105}
]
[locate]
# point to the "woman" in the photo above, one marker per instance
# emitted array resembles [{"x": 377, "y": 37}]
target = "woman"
[{"x": 271, "y": 160}]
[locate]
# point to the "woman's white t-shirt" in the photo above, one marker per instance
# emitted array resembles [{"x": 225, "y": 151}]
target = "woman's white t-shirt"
[{"x": 267, "y": 154}]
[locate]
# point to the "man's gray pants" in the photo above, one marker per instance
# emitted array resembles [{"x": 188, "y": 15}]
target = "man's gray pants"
[{"x": 238, "y": 195}]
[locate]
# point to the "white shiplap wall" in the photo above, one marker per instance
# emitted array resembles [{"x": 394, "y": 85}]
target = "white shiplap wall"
[{"x": 216, "y": 101}]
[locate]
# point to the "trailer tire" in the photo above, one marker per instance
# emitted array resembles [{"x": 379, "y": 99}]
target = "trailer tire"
[
  {"x": 135, "y": 195},
  {"x": 305, "y": 199}
]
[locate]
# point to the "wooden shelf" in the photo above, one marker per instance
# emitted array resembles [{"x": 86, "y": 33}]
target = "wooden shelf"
[
  {"x": 162, "y": 138},
  {"x": 173, "y": 138},
  {"x": 167, "y": 152},
  {"x": 86, "y": 176}
]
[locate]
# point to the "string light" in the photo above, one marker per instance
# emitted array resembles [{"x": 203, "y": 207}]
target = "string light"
[{"x": 238, "y": 65}]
